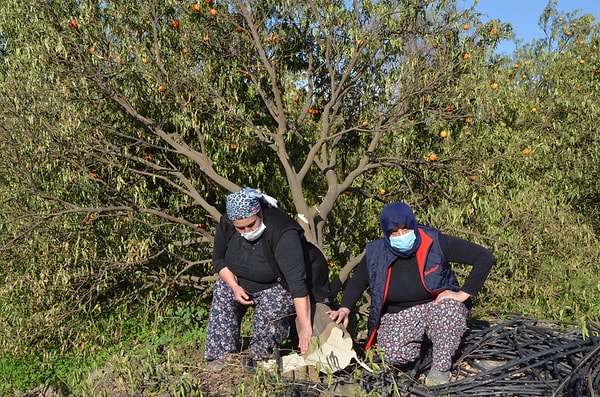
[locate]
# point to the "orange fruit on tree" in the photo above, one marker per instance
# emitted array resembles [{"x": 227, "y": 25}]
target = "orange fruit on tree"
[
  {"x": 469, "y": 120},
  {"x": 161, "y": 88},
  {"x": 382, "y": 191},
  {"x": 209, "y": 2},
  {"x": 196, "y": 7},
  {"x": 534, "y": 110},
  {"x": 443, "y": 134},
  {"x": 466, "y": 26},
  {"x": 474, "y": 177},
  {"x": 175, "y": 23},
  {"x": 581, "y": 62},
  {"x": 466, "y": 56},
  {"x": 526, "y": 151},
  {"x": 73, "y": 23},
  {"x": 494, "y": 86},
  {"x": 495, "y": 32},
  {"x": 433, "y": 157},
  {"x": 213, "y": 12}
]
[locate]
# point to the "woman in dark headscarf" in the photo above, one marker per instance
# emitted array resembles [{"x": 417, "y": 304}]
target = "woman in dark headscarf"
[
  {"x": 414, "y": 291},
  {"x": 258, "y": 254}
]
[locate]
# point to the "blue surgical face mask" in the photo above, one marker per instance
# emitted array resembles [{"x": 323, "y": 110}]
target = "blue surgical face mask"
[
  {"x": 404, "y": 242},
  {"x": 256, "y": 233}
]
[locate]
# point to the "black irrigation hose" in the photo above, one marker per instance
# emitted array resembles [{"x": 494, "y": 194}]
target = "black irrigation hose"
[{"x": 531, "y": 360}]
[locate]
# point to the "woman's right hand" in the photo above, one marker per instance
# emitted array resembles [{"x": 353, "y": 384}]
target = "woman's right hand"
[
  {"x": 242, "y": 296},
  {"x": 340, "y": 315}
]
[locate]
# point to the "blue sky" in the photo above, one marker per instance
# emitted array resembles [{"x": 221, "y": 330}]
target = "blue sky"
[{"x": 524, "y": 14}]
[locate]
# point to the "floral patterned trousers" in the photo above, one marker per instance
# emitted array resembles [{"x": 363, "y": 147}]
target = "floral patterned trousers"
[
  {"x": 270, "y": 322},
  {"x": 400, "y": 335}
]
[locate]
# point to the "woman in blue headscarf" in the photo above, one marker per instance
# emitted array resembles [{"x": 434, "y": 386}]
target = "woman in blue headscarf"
[
  {"x": 259, "y": 256},
  {"x": 414, "y": 291}
]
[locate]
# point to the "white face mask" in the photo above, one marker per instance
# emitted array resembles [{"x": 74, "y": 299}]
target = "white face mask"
[{"x": 256, "y": 233}]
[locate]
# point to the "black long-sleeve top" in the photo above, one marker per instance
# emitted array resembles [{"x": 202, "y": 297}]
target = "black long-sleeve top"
[
  {"x": 248, "y": 262},
  {"x": 406, "y": 289}
]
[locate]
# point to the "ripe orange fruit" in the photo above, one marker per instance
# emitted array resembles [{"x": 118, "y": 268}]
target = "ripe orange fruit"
[
  {"x": 365, "y": 123},
  {"x": 450, "y": 108},
  {"x": 347, "y": 192},
  {"x": 517, "y": 66},
  {"x": 533, "y": 110},
  {"x": 145, "y": 60},
  {"x": 247, "y": 75},
  {"x": 466, "y": 56},
  {"x": 433, "y": 157},
  {"x": 175, "y": 23},
  {"x": 474, "y": 177},
  {"x": 73, "y": 24},
  {"x": 495, "y": 32},
  {"x": 360, "y": 42},
  {"x": 443, "y": 134},
  {"x": 233, "y": 146},
  {"x": 213, "y": 12},
  {"x": 161, "y": 88},
  {"x": 494, "y": 86},
  {"x": 209, "y": 2},
  {"x": 239, "y": 29},
  {"x": 466, "y": 26},
  {"x": 196, "y": 7},
  {"x": 581, "y": 61},
  {"x": 526, "y": 151},
  {"x": 469, "y": 120},
  {"x": 382, "y": 191},
  {"x": 273, "y": 38},
  {"x": 205, "y": 38},
  {"x": 296, "y": 99},
  {"x": 523, "y": 76}
]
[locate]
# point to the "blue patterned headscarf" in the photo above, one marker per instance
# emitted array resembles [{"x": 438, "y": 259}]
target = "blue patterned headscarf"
[
  {"x": 394, "y": 215},
  {"x": 246, "y": 202}
]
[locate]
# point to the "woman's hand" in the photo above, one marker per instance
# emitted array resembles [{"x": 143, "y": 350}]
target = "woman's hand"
[
  {"x": 304, "y": 336},
  {"x": 242, "y": 296},
  {"x": 460, "y": 296},
  {"x": 340, "y": 315}
]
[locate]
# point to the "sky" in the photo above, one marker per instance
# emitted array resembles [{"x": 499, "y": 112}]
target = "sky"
[{"x": 524, "y": 15}]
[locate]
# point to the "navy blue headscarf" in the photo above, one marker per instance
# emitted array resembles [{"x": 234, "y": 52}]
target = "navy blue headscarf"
[{"x": 394, "y": 215}]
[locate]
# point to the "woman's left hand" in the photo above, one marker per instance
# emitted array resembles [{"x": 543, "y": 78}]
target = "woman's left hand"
[
  {"x": 304, "y": 339},
  {"x": 460, "y": 296}
]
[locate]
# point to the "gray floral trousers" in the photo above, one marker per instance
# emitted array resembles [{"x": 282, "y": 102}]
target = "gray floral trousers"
[
  {"x": 270, "y": 323},
  {"x": 400, "y": 335}
]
